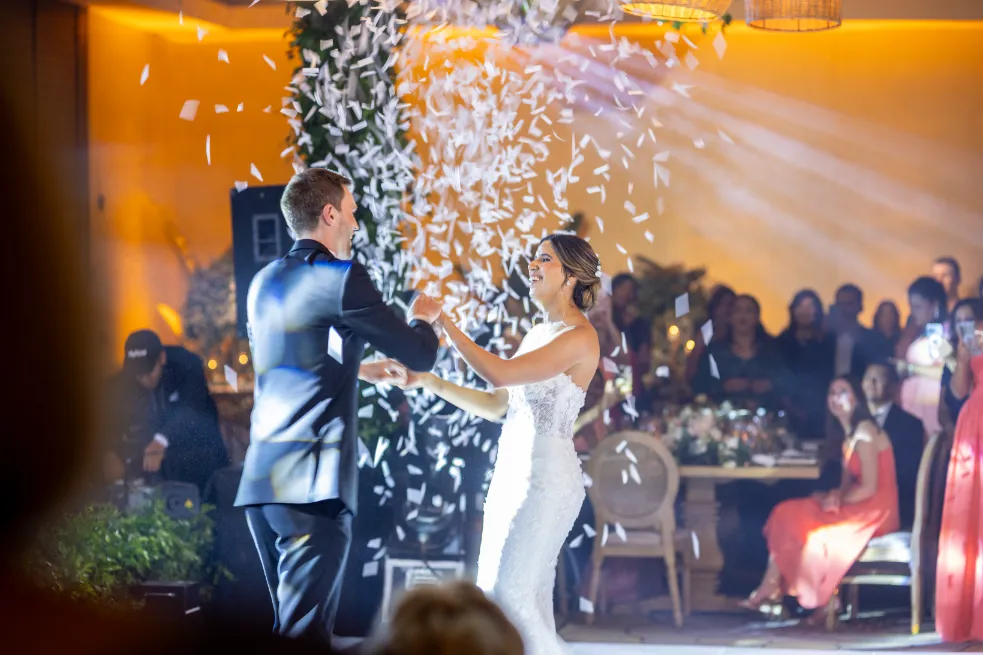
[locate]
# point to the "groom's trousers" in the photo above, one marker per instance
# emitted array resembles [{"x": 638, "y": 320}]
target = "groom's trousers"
[{"x": 303, "y": 550}]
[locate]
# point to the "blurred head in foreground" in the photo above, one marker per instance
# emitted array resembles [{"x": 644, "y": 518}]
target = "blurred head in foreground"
[{"x": 447, "y": 620}]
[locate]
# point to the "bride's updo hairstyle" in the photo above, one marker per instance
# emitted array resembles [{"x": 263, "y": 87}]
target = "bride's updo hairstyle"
[{"x": 582, "y": 264}]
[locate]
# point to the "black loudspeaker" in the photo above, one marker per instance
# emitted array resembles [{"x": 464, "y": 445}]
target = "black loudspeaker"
[
  {"x": 259, "y": 236},
  {"x": 171, "y": 600},
  {"x": 245, "y": 597},
  {"x": 182, "y": 500}
]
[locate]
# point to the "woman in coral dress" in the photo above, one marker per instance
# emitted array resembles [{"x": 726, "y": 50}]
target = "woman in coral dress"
[
  {"x": 959, "y": 576},
  {"x": 813, "y": 542}
]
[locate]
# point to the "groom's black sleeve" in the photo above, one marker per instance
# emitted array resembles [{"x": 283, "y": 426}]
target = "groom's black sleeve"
[{"x": 364, "y": 311}]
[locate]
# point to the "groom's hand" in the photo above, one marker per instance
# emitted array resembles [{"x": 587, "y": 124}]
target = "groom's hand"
[
  {"x": 424, "y": 308},
  {"x": 384, "y": 370}
]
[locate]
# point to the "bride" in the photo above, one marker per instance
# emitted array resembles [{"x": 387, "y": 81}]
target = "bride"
[{"x": 537, "y": 489}]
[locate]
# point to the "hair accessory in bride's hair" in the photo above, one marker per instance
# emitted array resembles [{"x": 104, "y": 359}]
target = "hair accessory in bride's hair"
[{"x": 597, "y": 273}]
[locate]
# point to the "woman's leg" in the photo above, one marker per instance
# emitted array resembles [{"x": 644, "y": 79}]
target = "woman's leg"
[{"x": 769, "y": 590}]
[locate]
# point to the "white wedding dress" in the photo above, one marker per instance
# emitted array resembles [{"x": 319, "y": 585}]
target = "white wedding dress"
[{"x": 535, "y": 496}]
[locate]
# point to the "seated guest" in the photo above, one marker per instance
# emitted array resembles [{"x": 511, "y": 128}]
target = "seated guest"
[
  {"x": 946, "y": 272},
  {"x": 448, "y": 619},
  {"x": 746, "y": 367},
  {"x": 808, "y": 351},
  {"x": 813, "y": 542},
  {"x": 857, "y": 347},
  {"x": 906, "y": 432},
  {"x": 919, "y": 352},
  {"x": 718, "y": 313},
  {"x": 164, "y": 422},
  {"x": 887, "y": 322}
]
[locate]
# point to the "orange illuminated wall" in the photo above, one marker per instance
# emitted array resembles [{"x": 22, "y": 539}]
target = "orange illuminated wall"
[
  {"x": 856, "y": 156},
  {"x": 150, "y": 179}
]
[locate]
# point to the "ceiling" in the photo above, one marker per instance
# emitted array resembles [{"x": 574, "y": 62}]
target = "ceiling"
[{"x": 273, "y": 13}]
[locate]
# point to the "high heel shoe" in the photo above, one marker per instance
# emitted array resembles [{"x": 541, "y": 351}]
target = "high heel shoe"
[{"x": 767, "y": 593}]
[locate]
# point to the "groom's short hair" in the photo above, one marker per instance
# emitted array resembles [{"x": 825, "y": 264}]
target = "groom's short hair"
[{"x": 306, "y": 195}]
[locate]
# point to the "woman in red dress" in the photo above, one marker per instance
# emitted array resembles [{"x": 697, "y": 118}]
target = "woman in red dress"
[
  {"x": 959, "y": 576},
  {"x": 814, "y": 541}
]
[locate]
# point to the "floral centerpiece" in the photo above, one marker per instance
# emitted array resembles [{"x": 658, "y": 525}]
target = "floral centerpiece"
[{"x": 703, "y": 434}]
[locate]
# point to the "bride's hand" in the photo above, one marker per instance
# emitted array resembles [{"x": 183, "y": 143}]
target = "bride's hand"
[{"x": 403, "y": 378}]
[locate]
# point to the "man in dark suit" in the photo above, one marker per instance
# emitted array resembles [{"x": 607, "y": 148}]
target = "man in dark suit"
[
  {"x": 164, "y": 421},
  {"x": 310, "y": 316},
  {"x": 907, "y": 434},
  {"x": 857, "y": 347}
]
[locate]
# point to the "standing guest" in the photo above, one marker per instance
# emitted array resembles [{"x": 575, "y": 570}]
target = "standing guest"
[
  {"x": 808, "y": 351},
  {"x": 966, "y": 310},
  {"x": 946, "y": 272},
  {"x": 745, "y": 367},
  {"x": 813, "y": 542},
  {"x": 954, "y": 395},
  {"x": 622, "y": 314},
  {"x": 857, "y": 346},
  {"x": 718, "y": 311},
  {"x": 906, "y": 432},
  {"x": 164, "y": 421},
  {"x": 920, "y": 358},
  {"x": 959, "y": 578},
  {"x": 887, "y": 322}
]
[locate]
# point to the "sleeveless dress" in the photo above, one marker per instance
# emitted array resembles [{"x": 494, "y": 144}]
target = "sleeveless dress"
[
  {"x": 959, "y": 576},
  {"x": 814, "y": 549},
  {"x": 920, "y": 395},
  {"x": 534, "y": 498}
]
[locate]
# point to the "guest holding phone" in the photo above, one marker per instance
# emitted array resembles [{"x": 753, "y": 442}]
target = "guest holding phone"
[{"x": 959, "y": 577}]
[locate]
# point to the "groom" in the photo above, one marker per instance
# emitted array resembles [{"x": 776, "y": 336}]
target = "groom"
[{"x": 311, "y": 315}]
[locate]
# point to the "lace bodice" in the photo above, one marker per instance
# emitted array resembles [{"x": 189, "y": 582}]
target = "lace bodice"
[{"x": 546, "y": 409}]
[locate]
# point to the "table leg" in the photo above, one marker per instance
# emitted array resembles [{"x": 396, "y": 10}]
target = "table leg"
[{"x": 701, "y": 515}]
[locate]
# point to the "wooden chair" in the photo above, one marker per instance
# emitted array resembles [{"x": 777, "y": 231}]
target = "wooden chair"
[
  {"x": 634, "y": 482},
  {"x": 894, "y": 559}
]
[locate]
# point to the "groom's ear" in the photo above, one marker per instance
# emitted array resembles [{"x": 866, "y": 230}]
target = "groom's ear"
[{"x": 328, "y": 214}]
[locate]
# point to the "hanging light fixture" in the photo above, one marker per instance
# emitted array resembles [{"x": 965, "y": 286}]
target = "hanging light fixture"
[
  {"x": 793, "y": 15},
  {"x": 683, "y": 11}
]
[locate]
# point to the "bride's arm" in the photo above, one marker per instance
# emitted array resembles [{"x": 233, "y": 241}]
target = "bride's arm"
[
  {"x": 559, "y": 356},
  {"x": 489, "y": 405}
]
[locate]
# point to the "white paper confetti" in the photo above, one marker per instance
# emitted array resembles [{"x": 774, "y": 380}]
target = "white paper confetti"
[
  {"x": 270, "y": 62},
  {"x": 232, "y": 378},
  {"x": 223, "y": 55},
  {"x": 144, "y": 74},
  {"x": 189, "y": 110},
  {"x": 240, "y": 106},
  {"x": 335, "y": 342},
  {"x": 662, "y": 372},
  {"x": 714, "y": 371},
  {"x": 255, "y": 173},
  {"x": 366, "y": 411},
  {"x": 576, "y": 541},
  {"x": 720, "y": 44},
  {"x": 682, "y": 305},
  {"x": 586, "y": 606},
  {"x": 707, "y": 331},
  {"x": 208, "y": 149},
  {"x": 201, "y": 33},
  {"x": 240, "y": 185},
  {"x": 370, "y": 569},
  {"x": 221, "y": 109}
]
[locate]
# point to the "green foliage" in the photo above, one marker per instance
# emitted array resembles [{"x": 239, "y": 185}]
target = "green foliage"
[
  {"x": 98, "y": 553},
  {"x": 318, "y": 139}
]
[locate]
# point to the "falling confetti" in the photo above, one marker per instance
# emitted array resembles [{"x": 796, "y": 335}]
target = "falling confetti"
[
  {"x": 208, "y": 150},
  {"x": 335, "y": 341},
  {"x": 240, "y": 186},
  {"x": 255, "y": 173},
  {"x": 682, "y": 305},
  {"x": 189, "y": 110},
  {"x": 144, "y": 74},
  {"x": 707, "y": 331},
  {"x": 221, "y": 109},
  {"x": 223, "y": 55},
  {"x": 201, "y": 33},
  {"x": 269, "y": 61},
  {"x": 720, "y": 44},
  {"x": 232, "y": 378},
  {"x": 240, "y": 106}
]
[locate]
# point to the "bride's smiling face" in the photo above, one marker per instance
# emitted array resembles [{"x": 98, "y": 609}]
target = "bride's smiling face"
[{"x": 546, "y": 274}]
